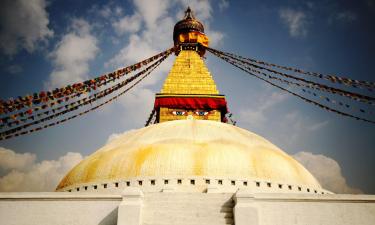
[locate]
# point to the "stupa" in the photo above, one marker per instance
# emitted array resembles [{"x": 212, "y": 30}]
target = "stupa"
[
  {"x": 191, "y": 147},
  {"x": 191, "y": 167}
]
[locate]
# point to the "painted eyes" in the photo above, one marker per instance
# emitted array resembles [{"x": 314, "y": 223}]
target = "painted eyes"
[
  {"x": 201, "y": 113},
  {"x": 182, "y": 113},
  {"x": 178, "y": 113}
]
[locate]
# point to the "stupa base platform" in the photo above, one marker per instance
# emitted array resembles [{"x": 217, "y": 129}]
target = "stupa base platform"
[{"x": 136, "y": 207}]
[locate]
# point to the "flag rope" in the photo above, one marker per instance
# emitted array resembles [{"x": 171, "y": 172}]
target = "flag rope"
[
  {"x": 18, "y": 132},
  {"x": 295, "y": 94}
]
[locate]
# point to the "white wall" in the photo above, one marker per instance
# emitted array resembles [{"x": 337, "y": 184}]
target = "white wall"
[
  {"x": 58, "y": 209},
  {"x": 295, "y": 209},
  {"x": 62, "y": 208}
]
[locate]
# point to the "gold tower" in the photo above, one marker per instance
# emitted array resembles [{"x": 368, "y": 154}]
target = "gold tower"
[{"x": 189, "y": 90}]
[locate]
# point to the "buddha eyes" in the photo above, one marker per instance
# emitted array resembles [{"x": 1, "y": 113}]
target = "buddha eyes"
[
  {"x": 182, "y": 113},
  {"x": 178, "y": 113},
  {"x": 201, "y": 113}
]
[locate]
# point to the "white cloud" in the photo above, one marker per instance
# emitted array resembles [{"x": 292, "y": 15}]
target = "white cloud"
[
  {"x": 256, "y": 114},
  {"x": 151, "y": 11},
  {"x": 24, "y": 24},
  {"x": 297, "y": 124},
  {"x": 105, "y": 11},
  {"x": 344, "y": 16},
  {"x": 139, "y": 104},
  {"x": 118, "y": 10},
  {"x": 128, "y": 24},
  {"x": 72, "y": 55},
  {"x": 14, "y": 69},
  {"x": 288, "y": 125},
  {"x": 327, "y": 171},
  {"x": 112, "y": 137},
  {"x": 295, "y": 20},
  {"x": 27, "y": 175},
  {"x": 216, "y": 37},
  {"x": 318, "y": 126},
  {"x": 10, "y": 160},
  {"x": 223, "y": 4}
]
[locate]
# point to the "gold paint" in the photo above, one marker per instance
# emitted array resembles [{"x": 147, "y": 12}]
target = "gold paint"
[
  {"x": 189, "y": 75},
  {"x": 193, "y": 37},
  {"x": 140, "y": 157}
]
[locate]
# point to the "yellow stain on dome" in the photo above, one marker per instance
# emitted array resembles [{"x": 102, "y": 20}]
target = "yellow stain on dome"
[{"x": 189, "y": 148}]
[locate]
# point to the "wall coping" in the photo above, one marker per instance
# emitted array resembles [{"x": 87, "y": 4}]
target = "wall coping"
[
  {"x": 58, "y": 196},
  {"x": 247, "y": 195}
]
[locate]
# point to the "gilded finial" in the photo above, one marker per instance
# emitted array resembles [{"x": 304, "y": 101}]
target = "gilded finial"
[{"x": 189, "y": 14}]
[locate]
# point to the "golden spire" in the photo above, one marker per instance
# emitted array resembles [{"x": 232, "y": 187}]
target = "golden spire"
[
  {"x": 189, "y": 90},
  {"x": 189, "y": 75}
]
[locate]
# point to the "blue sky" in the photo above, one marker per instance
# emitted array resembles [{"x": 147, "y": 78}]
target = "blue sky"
[{"x": 46, "y": 44}]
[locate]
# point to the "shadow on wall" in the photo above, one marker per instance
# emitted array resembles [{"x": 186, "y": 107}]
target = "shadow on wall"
[{"x": 111, "y": 218}]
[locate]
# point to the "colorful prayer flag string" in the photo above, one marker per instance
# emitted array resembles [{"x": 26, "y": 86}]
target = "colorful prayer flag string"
[
  {"x": 332, "y": 78},
  {"x": 295, "y": 94},
  {"x": 18, "y": 131},
  {"x": 81, "y": 102},
  {"x": 357, "y": 96},
  {"x": 27, "y": 101}
]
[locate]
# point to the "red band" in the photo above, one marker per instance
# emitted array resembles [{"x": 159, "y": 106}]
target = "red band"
[{"x": 192, "y": 103}]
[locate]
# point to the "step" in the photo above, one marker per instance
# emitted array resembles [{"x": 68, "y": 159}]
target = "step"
[
  {"x": 188, "y": 212},
  {"x": 191, "y": 208},
  {"x": 187, "y": 208},
  {"x": 187, "y": 221}
]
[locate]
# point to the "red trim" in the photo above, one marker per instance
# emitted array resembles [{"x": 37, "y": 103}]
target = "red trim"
[{"x": 192, "y": 103}]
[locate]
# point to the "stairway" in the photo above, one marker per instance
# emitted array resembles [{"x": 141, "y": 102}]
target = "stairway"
[{"x": 187, "y": 209}]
